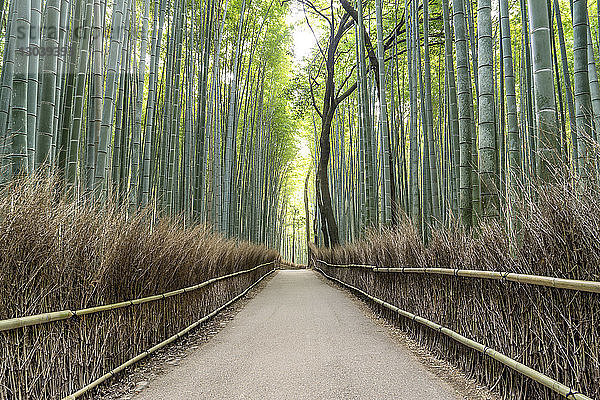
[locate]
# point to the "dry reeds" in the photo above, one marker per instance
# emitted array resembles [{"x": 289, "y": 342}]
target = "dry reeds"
[
  {"x": 554, "y": 331},
  {"x": 58, "y": 254}
]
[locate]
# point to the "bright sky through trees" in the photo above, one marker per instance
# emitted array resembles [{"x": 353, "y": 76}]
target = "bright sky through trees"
[
  {"x": 304, "y": 39},
  {"x": 303, "y": 44}
]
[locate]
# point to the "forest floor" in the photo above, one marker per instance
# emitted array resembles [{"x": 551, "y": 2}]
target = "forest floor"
[{"x": 296, "y": 336}]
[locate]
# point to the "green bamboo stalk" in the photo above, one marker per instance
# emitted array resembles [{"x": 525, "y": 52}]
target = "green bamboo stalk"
[
  {"x": 567, "y": 81},
  {"x": 548, "y": 146},
  {"x": 432, "y": 156},
  {"x": 45, "y": 135},
  {"x": 514, "y": 145},
  {"x": 487, "y": 133},
  {"x": 95, "y": 118},
  {"x": 583, "y": 103},
  {"x": 371, "y": 203},
  {"x": 414, "y": 140},
  {"x": 465, "y": 113},
  {"x": 112, "y": 79},
  {"x": 82, "y": 71},
  {"x": 33, "y": 84},
  {"x": 383, "y": 121},
  {"x": 453, "y": 126},
  {"x": 6, "y": 90},
  {"x": 18, "y": 115},
  {"x": 137, "y": 131}
]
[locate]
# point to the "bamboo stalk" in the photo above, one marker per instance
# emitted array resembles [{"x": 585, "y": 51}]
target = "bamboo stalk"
[
  {"x": 496, "y": 355},
  {"x": 15, "y": 323},
  {"x": 38, "y": 319},
  {"x": 162, "y": 344},
  {"x": 558, "y": 283}
]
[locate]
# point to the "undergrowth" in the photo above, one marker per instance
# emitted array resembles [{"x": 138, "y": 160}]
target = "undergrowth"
[{"x": 57, "y": 253}]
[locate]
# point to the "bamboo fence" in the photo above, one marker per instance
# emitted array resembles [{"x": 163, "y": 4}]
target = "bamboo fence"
[
  {"x": 559, "y": 283},
  {"x": 523, "y": 369},
  {"x": 38, "y": 319},
  {"x": 164, "y": 343},
  {"x": 44, "y": 360}
]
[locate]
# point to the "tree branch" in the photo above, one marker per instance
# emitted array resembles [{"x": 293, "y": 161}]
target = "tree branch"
[
  {"x": 368, "y": 45},
  {"x": 346, "y": 80},
  {"x": 347, "y": 93},
  {"x": 312, "y": 94}
]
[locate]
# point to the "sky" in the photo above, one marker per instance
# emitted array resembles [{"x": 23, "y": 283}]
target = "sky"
[{"x": 304, "y": 39}]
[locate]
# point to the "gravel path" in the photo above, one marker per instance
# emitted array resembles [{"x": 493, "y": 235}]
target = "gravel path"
[{"x": 300, "y": 338}]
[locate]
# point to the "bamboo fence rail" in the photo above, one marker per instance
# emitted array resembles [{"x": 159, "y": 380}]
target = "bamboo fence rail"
[
  {"x": 537, "y": 376},
  {"x": 162, "y": 344},
  {"x": 21, "y": 322},
  {"x": 559, "y": 283}
]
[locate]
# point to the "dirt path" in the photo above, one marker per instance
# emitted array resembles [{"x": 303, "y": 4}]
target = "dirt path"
[{"x": 300, "y": 338}]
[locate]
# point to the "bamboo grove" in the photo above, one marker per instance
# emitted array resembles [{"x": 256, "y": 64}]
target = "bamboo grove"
[
  {"x": 175, "y": 103},
  {"x": 447, "y": 110}
]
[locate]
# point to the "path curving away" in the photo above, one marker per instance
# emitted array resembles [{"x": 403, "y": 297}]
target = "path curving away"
[{"x": 300, "y": 338}]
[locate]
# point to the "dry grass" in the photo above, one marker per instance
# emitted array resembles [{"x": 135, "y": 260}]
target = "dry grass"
[
  {"x": 554, "y": 331},
  {"x": 57, "y": 254}
]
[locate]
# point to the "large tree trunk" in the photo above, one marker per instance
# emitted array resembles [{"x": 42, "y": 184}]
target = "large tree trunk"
[
  {"x": 328, "y": 223},
  {"x": 306, "y": 211}
]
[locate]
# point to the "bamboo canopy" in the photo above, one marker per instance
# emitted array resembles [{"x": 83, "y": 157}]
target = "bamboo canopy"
[
  {"x": 496, "y": 355},
  {"x": 21, "y": 322},
  {"x": 559, "y": 283}
]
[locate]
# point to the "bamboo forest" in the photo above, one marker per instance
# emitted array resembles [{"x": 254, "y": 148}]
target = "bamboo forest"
[{"x": 171, "y": 170}]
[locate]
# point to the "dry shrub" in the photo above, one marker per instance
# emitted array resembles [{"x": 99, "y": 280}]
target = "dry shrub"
[
  {"x": 554, "y": 331},
  {"x": 59, "y": 254}
]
